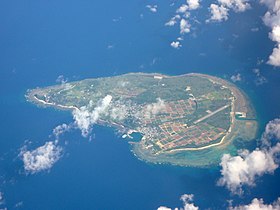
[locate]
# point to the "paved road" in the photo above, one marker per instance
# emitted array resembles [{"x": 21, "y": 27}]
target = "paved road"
[{"x": 211, "y": 114}]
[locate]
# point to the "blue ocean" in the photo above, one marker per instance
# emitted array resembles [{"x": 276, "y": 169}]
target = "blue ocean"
[{"x": 41, "y": 40}]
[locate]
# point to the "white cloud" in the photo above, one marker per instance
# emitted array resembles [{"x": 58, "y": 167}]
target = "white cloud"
[
  {"x": 163, "y": 208},
  {"x": 154, "y": 61},
  {"x": 120, "y": 112},
  {"x": 274, "y": 58},
  {"x": 187, "y": 199},
  {"x": 258, "y": 204},
  {"x": 257, "y": 72},
  {"x": 42, "y": 158},
  {"x": 193, "y": 4},
  {"x": 19, "y": 204},
  {"x": 183, "y": 14},
  {"x": 155, "y": 108},
  {"x": 1, "y": 198},
  {"x": 236, "y": 78},
  {"x": 256, "y": 29},
  {"x": 260, "y": 79},
  {"x": 110, "y": 46},
  {"x": 272, "y": 131},
  {"x": 245, "y": 168},
  {"x": 187, "y": 202},
  {"x": 60, "y": 79},
  {"x": 86, "y": 116},
  {"x": 60, "y": 129},
  {"x": 175, "y": 45},
  {"x": 152, "y": 8},
  {"x": 218, "y": 13},
  {"x": 272, "y": 20},
  {"x": 271, "y": 17},
  {"x": 83, "y": 119},
  {"x": 173, "y": 20},
  {"x": 182, "y": 9},
  {"x": 275, "y": 34},
  {"x": 117, "y": 19},
  {"x": 236, "y": 5},
  {"x": 184, "y": 26}
]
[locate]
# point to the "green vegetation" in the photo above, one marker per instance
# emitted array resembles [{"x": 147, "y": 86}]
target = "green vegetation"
[{"x": 184, "y": 120}]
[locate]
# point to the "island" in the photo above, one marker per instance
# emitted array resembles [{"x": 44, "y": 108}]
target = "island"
[{"x": 187, "y": 120}]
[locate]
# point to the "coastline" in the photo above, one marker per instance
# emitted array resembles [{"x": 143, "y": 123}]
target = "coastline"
[
  {"x": 240, "y": 103},
  {"x": 32, "y": 98}
]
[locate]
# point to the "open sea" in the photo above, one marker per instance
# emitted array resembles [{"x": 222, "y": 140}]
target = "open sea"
[{"x": 41, "y": 40}]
